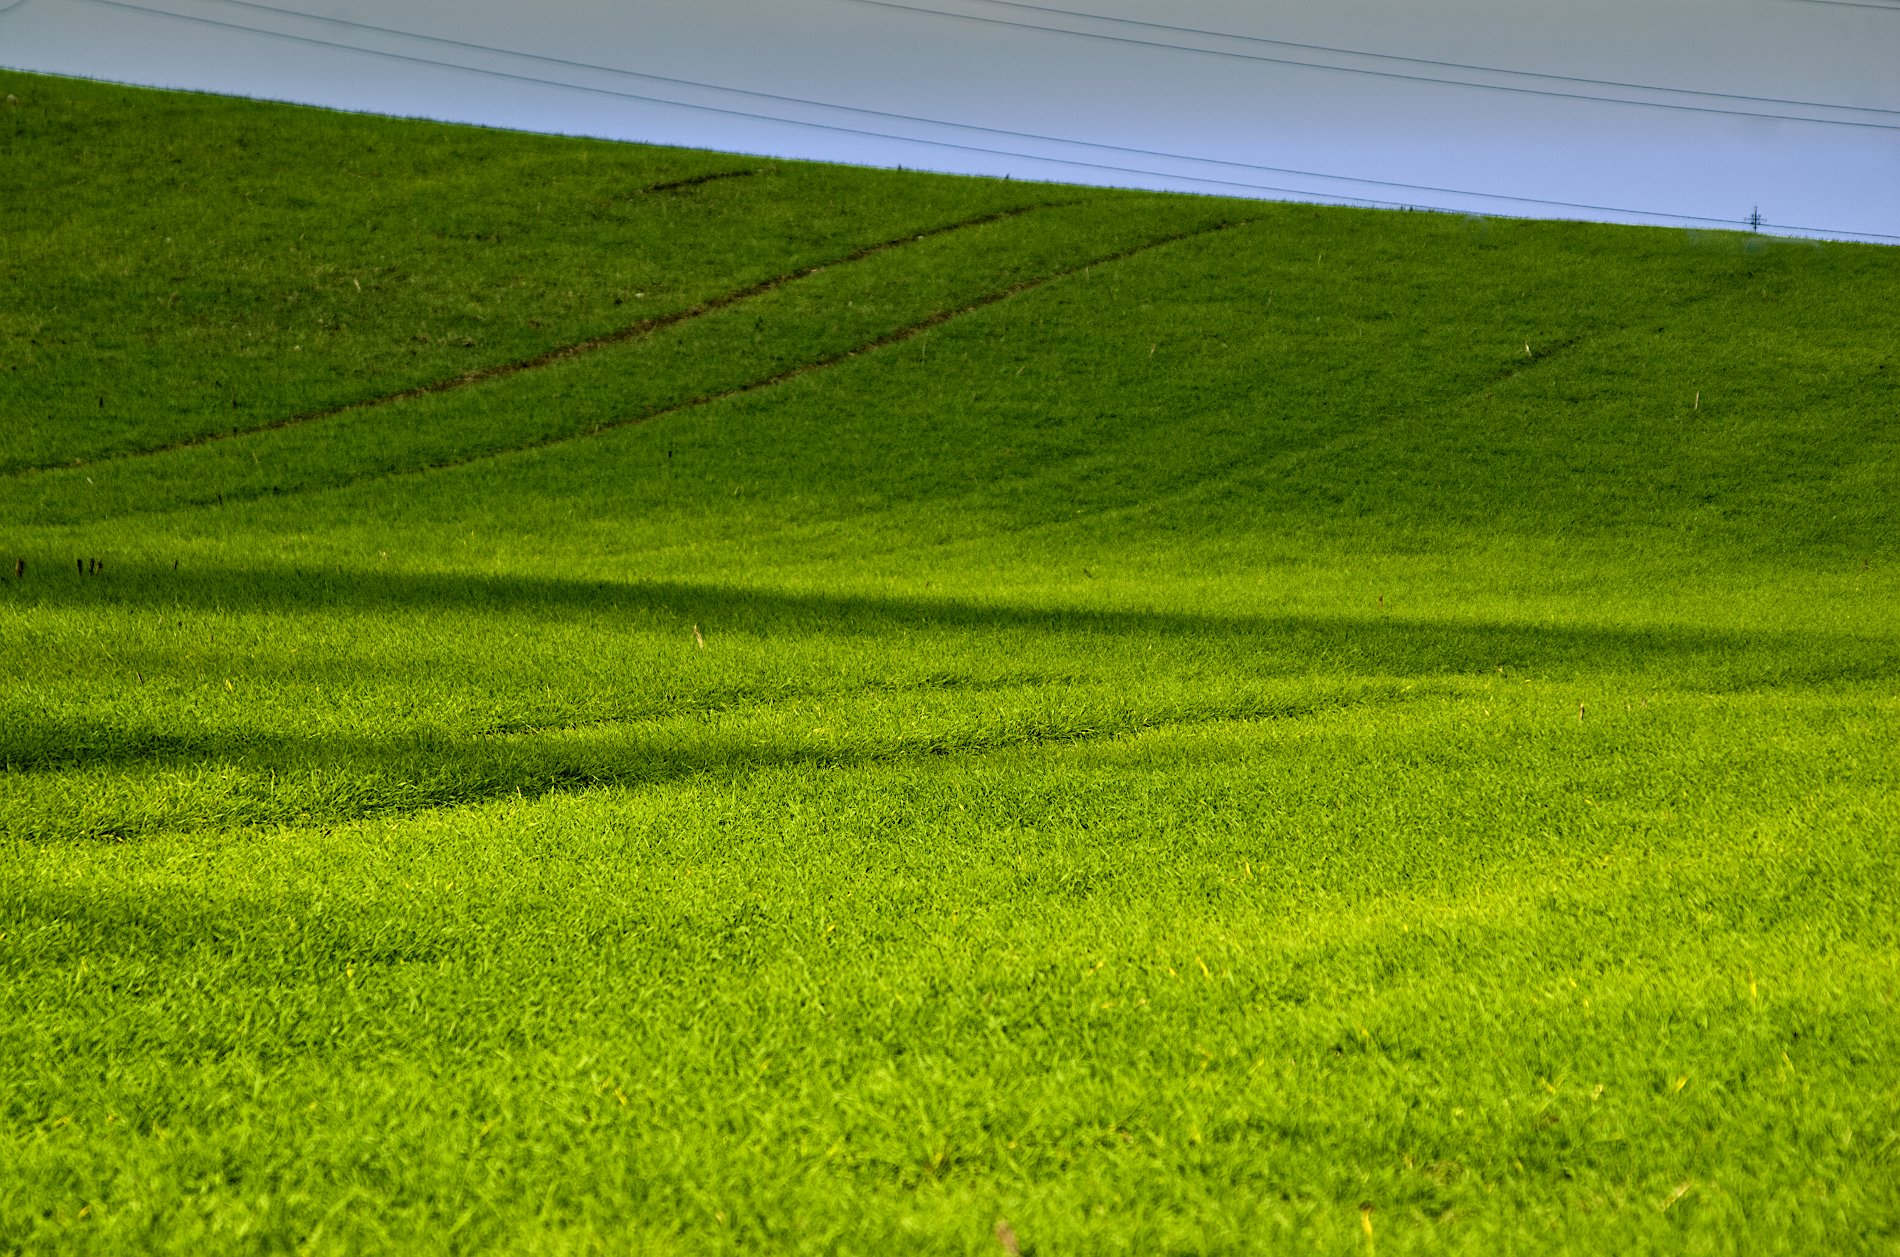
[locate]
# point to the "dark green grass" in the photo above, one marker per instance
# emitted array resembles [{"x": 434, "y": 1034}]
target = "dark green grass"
[
  {"x": 1220, "y": 727},
  {"x": 200, "y": 266}
]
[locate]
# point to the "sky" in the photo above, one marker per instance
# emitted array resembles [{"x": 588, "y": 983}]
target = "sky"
[{"x": 1697, "y": 113}]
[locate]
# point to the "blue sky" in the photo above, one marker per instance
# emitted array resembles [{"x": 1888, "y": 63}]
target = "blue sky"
[{"x": 1692, "y": 111}]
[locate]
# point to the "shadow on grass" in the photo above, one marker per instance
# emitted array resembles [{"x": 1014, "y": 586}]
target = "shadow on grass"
[
  {"x": 105, "y": 777},
  {"x": 1367, "y": 645},
  {"x": 91, "y": 780}
]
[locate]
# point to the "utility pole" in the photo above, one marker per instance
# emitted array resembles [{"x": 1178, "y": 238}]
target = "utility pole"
[{"x": 1754, "y": 220}]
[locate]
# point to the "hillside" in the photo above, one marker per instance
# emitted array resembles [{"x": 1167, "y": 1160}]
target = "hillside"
[{"x": 563, "y": 696}]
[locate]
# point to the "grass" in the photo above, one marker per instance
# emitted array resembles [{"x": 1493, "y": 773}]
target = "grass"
[{"x": 1178, "y": 725}]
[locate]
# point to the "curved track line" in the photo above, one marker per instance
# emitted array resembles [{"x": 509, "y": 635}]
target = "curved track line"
[
  {"x": 561, "y": 353},
  {"x": 896, "y": 337},
  {"x": 676, "y": 185},
  {"x": 740, "y": 762}
]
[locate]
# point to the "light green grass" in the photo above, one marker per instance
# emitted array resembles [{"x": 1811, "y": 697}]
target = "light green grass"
[{"x": 1221, "y": 727}]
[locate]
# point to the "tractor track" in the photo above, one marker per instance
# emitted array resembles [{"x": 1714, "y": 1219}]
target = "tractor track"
[
  {"x": 562, "y": 353},
  {"x": 894, "y": 337}
]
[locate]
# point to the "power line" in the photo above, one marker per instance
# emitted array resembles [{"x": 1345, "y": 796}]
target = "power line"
[
  {"x": 777, "y": 118},
  {"x": 1863, "y": 237},
  {"x": 920, "y": 9},
  {"x": 883, "y": 113},
  {"x": 1384, "y": 74},
  {"x": 860, "y": 131},
  {"x": 1387, "y": 56}
]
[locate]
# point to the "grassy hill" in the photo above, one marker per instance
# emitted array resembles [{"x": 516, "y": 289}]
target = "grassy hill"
[{"x": 571, "y": 697}]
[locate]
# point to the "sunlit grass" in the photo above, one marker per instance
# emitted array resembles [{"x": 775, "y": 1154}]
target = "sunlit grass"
[{"x": 1174, "y": 725}]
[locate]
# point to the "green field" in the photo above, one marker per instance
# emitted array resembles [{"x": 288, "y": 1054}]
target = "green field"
[{"x": 563, "y": 697}]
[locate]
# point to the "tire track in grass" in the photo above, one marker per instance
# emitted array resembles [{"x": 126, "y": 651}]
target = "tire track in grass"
[
  {"x": 562, "y": 353},
  {"x": 366, "y": 780},
  {"x": 445, "y": 459},
  {"x": 1539, "y": 356},
  {"x": 677, "y": 185},
  {"x": 895, "y": 337}
]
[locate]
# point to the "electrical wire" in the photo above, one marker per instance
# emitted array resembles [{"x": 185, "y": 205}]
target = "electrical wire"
[
  {"x": 777, "y": 118},
  {"x": 1252, "y": 39},
  {"x": 902, "y": 117},
  {"x": 1865, "y": 237},
  {"x": 1383, "y": 74},
  {"x": 1387, "y": 56},
  {"x": 936, "y": 143}
]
